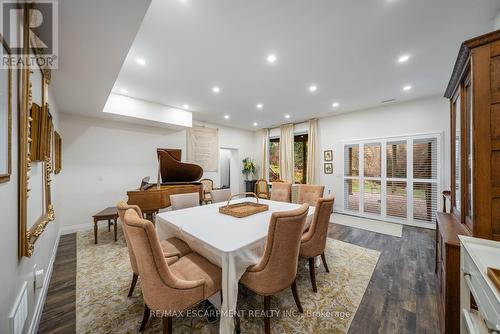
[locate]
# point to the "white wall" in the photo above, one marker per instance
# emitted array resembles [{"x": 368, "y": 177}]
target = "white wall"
[
  {"x": 16, "y": 271},
  {"x": 103, "y": 159}
]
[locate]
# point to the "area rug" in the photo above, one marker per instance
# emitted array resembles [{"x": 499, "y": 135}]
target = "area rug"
[
  {"x": 377, "y": 226},
  {"x": 104, "y": 274}
]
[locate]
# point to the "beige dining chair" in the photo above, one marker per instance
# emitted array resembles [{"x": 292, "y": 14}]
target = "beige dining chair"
[
  {"x": 184, "y": 201},
  {"x": 168, "y": 288},
  {"x": 208, "y": 185},
  {"x": 262, "y": 189},
  {"x": 313, "y": 242},
  {"x": 281, "y": 191},
  {"x": 220, "y": 195},
  {"x": 173, "y": 248},
  {"x": 309, "y": 193},
  {"x": 277, "y": 268}
]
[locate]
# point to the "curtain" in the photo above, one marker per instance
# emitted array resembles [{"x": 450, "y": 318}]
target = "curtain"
[
  {"x": 286, "y": 153},
  {"x": 312, "y": 151},
  {"x": 264, "y": 149}
]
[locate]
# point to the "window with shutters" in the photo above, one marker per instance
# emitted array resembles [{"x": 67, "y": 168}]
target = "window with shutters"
[{"x": 395, "y": 179}]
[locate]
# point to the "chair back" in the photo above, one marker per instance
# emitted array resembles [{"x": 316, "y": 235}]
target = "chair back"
[
  {"x": 281, "y": 192},
  {"x": 314, "y": 240},
  {"x": 262, "y": 188},
  {"x": 183, "y": 201},
  {"x": 309, "y": 193},
  {"x": 220, "y": 195},
  {"x": 161, "y": 289},
  {"x": 122, "y": 207},
  {"x": 278, "y": 266},
  {"x": 208, "y": 185}
]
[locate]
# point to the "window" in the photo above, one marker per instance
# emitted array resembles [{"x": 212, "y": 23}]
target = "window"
[
  {"x": 299, "y": 157},
  {"x": 394, "y": 179},
  {"x": 274, "y": 159}
]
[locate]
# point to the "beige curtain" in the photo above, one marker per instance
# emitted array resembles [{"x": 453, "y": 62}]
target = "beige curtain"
[
  {"x": 286, "y": 153},
  {"x": 264, "y": 149},
  {"x": 312, "y": 151}
]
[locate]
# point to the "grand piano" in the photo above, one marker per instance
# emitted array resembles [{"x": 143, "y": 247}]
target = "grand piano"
[{"x": 174, "y": 177}]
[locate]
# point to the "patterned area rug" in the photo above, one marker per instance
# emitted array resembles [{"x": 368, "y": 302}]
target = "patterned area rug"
[{"x": 104, "y": 275}]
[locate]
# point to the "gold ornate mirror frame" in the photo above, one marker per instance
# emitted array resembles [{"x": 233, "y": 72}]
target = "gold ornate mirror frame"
[{"x": 28, "y": 237}]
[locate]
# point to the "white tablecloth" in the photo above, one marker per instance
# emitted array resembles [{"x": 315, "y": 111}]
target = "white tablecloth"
[{"x": 233, "y": 244}]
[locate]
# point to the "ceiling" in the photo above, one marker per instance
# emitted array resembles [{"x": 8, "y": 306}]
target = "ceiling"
[{"x": 348, "y": 49}]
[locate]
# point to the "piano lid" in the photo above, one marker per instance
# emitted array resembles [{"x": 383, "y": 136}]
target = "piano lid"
[{"x": 172, "y": 169}]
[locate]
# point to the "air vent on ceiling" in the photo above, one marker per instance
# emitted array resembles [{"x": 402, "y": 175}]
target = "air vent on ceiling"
[{"x": 387, "y": 101}]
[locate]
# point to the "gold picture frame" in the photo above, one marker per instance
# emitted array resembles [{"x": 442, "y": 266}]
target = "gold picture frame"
[
  {"x": 5, "y": 175},
  {"x": 28, "y": 236},
  {"x": 328, "y": 168},
  {"x": 328, "y": 155}
]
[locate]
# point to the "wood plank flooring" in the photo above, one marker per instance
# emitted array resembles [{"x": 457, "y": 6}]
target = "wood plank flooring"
[{"x": 401, "y": 296}]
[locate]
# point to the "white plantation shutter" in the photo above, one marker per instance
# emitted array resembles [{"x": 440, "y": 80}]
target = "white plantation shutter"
[
  {"x": 396, "y": 159},
  {"x": 351, "y": 160},
  {"x": 372, "y": 160},
  {"x": 396, "y": 199},
  {"x": 425, "y": 179},
  {"x": 425, "y": 159},
  {"x": 351, "y": 194},
  {"x": 372, "y": 193}
]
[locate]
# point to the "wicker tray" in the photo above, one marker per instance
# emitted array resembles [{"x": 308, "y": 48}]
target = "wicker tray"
[{"x": 244, "y": 209}]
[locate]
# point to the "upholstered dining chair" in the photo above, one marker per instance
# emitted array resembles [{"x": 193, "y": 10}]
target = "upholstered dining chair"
[
  {"x": 309, "y": 193},
  {"x": 184, "y": 201},
  {"x": 281, "y": 191},
  {"x": 208, "y": 185},
  {"x": 220, "y": 195},
  {"x": 277, "y": 268},
  {"x": 313, "y": 241},
  {"x": 168, "y": 288},
  {"x": 262, "y": 189},
  {"x": 173, "y": 248}
]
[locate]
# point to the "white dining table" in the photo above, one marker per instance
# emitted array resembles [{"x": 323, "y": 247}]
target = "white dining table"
[{"x": 231, "y": 243}]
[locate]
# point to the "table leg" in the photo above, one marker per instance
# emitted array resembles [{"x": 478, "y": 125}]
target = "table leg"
[
  {"x": 115, "y": 225},
  {"x": 95, "y": 231},
  {"x": 109, "y": 225}
]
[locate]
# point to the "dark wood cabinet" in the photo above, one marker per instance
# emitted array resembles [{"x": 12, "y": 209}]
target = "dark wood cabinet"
[{"x": 474, "y": 93}]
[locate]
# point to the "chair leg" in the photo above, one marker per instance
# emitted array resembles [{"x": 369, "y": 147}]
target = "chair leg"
[
  {"x": 132, "y": 285},
  {"x": 109, "y": 225},
  {"x": 167, "y": 325},
  {"x": 145, "y": 318},
  {"x": 296, "y": 296},
  {"x": 312, "y": 273},
  {"x": 267, "y": 320},
  {"x": 323, "y": 258}
]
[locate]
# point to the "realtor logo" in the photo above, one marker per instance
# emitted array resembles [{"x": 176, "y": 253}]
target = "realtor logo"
[{"x": 42, "y": 16}]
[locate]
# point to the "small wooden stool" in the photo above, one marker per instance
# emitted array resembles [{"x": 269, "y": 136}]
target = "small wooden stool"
[{"x": 108, "y": 214}]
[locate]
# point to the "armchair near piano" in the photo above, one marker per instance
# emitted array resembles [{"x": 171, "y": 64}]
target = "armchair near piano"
[{"x": 174, "y": 177}]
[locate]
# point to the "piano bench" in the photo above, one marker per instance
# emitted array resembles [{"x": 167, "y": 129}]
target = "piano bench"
[{"x": 109, "y": 214}]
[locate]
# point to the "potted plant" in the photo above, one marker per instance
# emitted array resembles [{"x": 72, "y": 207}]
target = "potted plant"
[{"x": 249, "y": 171}]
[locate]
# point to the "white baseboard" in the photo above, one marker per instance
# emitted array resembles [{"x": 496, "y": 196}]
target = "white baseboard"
[
  {"x": 75, "y": 228},
  {"x": 37, "y": 312}
]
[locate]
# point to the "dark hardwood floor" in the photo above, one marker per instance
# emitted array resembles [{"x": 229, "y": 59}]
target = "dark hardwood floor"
[{"x": 401, "y": 296}]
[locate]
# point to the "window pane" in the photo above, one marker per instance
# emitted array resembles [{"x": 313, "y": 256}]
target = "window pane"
[
  {"x": 372, "y": 196},
  {"x": 300, "y": 158},
  {"x": 396, "y": 159},
  {"x": 372, "y": 160},
  {"x": 351, "y": 158},
  {"x": 351, "y": 194},
  {"x": 424, "y": 201},
  {"x": 274, "y": 160},
  {"x": 396, "y": 199},
  {"x": 425, "y": 158}
]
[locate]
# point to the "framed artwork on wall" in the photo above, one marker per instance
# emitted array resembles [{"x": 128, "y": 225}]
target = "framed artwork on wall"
[
  {"x": 328, "y": 155},
  {"x": 328, "y": 168}
]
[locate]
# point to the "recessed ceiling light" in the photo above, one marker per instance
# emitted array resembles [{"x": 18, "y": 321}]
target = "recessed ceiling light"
[
  {"x": 216, "y": 89},
  {"x": 140, "y": 61},
  {"x": 255, "y": 123},
  {"x": 407, "y": 88},
  {"x": 123, "y": 91},
  {"x": 313, "y": 88},
  {"x": 335, "y": 104},
  {"x": 403, "y": 59},
  {"x": 287, "y": 116},
  {"x": 271, "y": 59},
  {"x": 186, "y": 106},
  {"x": 260, "y": 106},
  {"x": 226, "y": 116}
]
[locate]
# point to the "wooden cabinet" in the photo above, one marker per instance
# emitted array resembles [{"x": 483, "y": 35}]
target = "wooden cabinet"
[{"x": 474, "y": 93}]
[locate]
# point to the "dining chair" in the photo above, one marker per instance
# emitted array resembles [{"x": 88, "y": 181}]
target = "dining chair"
[
  {"x": 220, "y": 195},
  {"x": 184, "y": 201},
  {"x": 168, "y": 289},
  {"x": 277, "y": 268},
  {"x": 309, "y": 193},
  {"x": 313, "y": 242},
  {"x": 173, "y": 248},
  {"x": 281, "y": 191},
  {"x": 262, "y": 189},
  {"x": 208, "y": 185}
]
